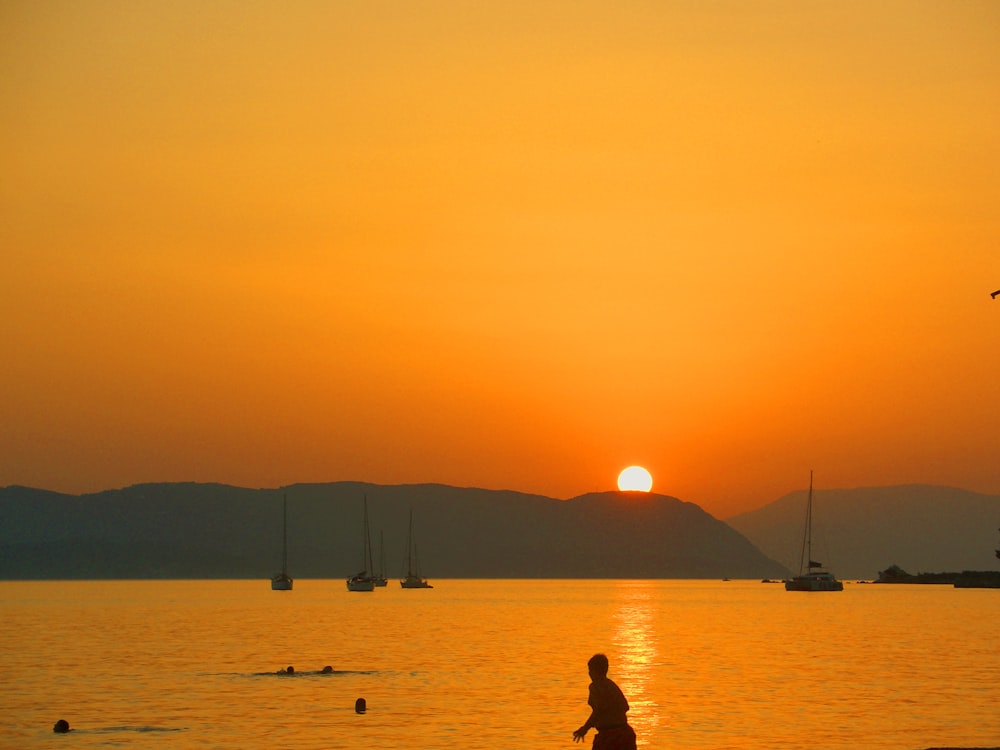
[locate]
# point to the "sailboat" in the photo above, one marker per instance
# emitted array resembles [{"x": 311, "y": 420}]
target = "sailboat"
[
  {"x": 413, "y": 580},
  {"x": 380, "y": 579},
  {"x": 364, "y": 581},
  {"x": 812, "y": 576},
  {"x": 282, "y": 581}
]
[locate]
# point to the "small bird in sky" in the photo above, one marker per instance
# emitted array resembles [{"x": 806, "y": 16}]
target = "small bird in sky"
[{"x": 994, "y": 294}]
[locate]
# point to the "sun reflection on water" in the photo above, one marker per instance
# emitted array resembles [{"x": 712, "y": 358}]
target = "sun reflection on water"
[{"x": 635, "y": 641}]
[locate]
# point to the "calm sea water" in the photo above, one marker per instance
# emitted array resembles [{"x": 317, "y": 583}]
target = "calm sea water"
[{"x": 496, "y": 664}]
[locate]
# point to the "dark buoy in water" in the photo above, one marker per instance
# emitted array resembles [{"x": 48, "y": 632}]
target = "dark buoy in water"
[
  {"x": 61, "y": 726},
  {"x": 360, "y": 706}
]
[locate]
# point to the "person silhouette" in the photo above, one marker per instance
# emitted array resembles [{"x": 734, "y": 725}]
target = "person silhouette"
[
  {"x": 360, "y": 706},
  {"x": 61, "y": 726},
  {"x": 608, "y": 710},
  {"x": 326, "y": 670},
  {"x": 287, "y": 670}
]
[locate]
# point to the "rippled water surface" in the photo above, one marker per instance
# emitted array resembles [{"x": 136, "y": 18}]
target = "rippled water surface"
[{"x": 496, "y": 664}]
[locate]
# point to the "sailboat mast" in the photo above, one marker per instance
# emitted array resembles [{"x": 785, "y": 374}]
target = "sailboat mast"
[
  {"x": 805, "y": 556},
  {"x": 809, "y": 525},
  {"x": 366, "y": 543},
  {"x": 381, "y": 553},
  {"x": 284, "y": 535},
  {"x": 409, "y": 548}
]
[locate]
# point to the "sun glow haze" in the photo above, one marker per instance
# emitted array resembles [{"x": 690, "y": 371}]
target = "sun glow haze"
[
  {"x": 493, "y": 245},
  {"x": 635, "y": 479}
]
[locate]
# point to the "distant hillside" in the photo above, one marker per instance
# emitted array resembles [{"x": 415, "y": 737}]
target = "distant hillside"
[
  {"x": 858, "y": 532},
  {"x": 218, "y": 531}
]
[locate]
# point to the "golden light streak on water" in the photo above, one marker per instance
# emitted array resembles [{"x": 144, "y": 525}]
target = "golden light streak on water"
[
  {"x": 636, "y": 641},
  {"x": 471, "y": 664}
]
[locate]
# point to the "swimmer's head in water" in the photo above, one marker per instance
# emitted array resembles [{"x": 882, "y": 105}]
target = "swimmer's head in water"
[
  {"x": 327, "y": 670},
  {"x": 61, "y": 726}
]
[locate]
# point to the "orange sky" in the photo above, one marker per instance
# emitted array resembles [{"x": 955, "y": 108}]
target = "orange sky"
[{"x": 518, "y": 246}]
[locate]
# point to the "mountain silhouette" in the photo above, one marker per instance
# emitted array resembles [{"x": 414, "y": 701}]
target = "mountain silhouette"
[
  {"x": 858, "y": 532},
  {"x": 186, "y": 530}
]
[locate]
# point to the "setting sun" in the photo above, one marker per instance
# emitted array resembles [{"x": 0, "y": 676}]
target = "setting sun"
[
  {"x": 307, "y": 185},
  {"x": 635, "y": 479}
]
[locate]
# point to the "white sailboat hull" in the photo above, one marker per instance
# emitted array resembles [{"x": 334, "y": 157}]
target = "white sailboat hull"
[
  {"x": 360, "y": 583},
  {"x": 814, "y": 582},
  {"x": 415, "y": 582}
]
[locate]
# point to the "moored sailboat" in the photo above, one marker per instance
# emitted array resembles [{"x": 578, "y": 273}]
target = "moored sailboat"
[
  {"x": 413, "y": 579},
  {"x": 380, "y": 579},
  {"x": 364, "y": 580},
  {"x": 812, "y": 576},
  {"x": 282, "y": 581}
]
